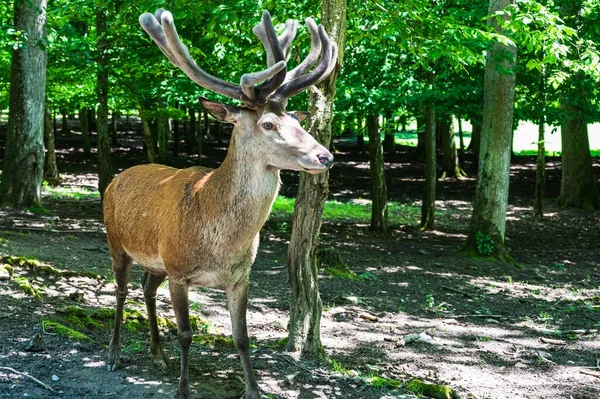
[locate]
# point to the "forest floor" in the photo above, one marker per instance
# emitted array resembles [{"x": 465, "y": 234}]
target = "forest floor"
[{"x": 487, "y": 330}]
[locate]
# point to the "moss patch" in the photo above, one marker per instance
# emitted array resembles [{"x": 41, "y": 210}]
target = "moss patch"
[
  {"x": 65, "y": 331},
  {"x": 431, "y": 390},
  {"x": 25, "y": 286}
]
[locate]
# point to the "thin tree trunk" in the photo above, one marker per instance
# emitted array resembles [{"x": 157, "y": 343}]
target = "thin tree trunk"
[
  {"x": 50, "y": 168},
  {"x": 85, "y": 134},
  {"x": 488, "y": 222},
  {"x": 22, "y": 176},
  {"x": 176, "y": 137},
  {"x": 540, "y": 174},
  {"x": 379, "y": 211},
  {"x": 429, "y": 190},
  {"x": 305, "y": 304},
  {"x": 451, "y": 165},
  {"x": 148, "y": 139},
  {"x": 105, "y": 174},
  {"x": 420, "y": 151},
  {"x": 64, "y": 122},
  {"x": 163, "y": 138},
  {"x": 191, "y": 131},
  {"x": 461, "y": 139},
  {"x": 114, "y": 130},
  {"x": 475, "y": 143}
]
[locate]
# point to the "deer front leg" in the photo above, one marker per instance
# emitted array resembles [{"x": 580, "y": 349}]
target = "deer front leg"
[
  {"x": 151, "y": 282},
  {"x": 179, "y": 300},
  {"x": 237, "y": 301},
  {"x": 121, "y": 266}
]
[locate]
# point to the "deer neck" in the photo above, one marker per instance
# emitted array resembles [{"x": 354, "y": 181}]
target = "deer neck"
[{"x": 246, "y": 185}]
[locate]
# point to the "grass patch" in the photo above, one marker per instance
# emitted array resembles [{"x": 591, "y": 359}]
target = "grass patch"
[
  {"x": 72, "y": 193},
  {"x": 355, "y": 211}
]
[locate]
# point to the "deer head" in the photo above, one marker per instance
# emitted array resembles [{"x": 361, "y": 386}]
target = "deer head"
[{"x": 261, "y": 126}]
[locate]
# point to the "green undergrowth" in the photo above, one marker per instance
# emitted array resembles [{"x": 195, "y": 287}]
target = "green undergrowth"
[
  {"x": 29, "y": 288},
  {"x": 415, "y": 386},
  {"x": 355, "y": 211},
  {"x": 72, "y": 193}
]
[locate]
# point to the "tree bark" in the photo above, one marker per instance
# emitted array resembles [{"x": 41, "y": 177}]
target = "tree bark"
[
  {"x": 305, "y": 304},
  {"x": 540, "y": 172},
  {"x": 105, "y": 174},
  {"x": 429, "y": 139},
  {"x": 148, "y": 138},
  {"x": 191, "y": 132},
  {"x": 475, "y": 143},
  {"x": 163, "y": 138},
  {"x": 114, "y": 129},
  {"x": 379, "y": 211},
  {"x": 451, "y": 165},
  {"x": 50, "y": 168},
  {"x": 24, "y": 153},
  {"x": 85, "y": 133},
  {"x": 488, "y": 221},
  {"x": 578, "y": 185},
  {"x": 64, "y": 122},
  {"x": 420, "y": 151}
]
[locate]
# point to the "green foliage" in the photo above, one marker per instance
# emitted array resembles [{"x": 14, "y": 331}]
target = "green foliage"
[
  {"x": 430, "y": 390},
  {"x": 485, "y": 244}
]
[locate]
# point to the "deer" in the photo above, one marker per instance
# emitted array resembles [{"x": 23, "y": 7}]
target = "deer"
[{"x": 200, "y": 226}]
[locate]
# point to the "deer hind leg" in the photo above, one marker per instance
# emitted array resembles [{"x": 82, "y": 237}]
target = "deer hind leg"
[
  {"x": 151, "y": 282},
  {"x": 179, "y": 300},
  {"x": 237, "y": 302},
  {"x": 121, "y": 266}
]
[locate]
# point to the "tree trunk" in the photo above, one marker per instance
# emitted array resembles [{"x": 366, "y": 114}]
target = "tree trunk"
[
  {"x": 379, "y": 211},
  {"x": 429, "y": 190},
  {"x": 148, "y": 139},
  {"x": 105, "y": 174},
  {"x": 64, "y": 122},
  {"x": 578, "y": 185},
  {"x": 24, "y": 153},
  {"x": 540, "y": 173},
  {"x": 451, "y": 165},
  {"x": 305, "y": 304},
  {"x": 421, "y": 126},
  {"x": 488, "y": 222},
  {"x": 475, "y": 143},
  {"x": 85, "y": 134},
  {"x": 50, "y": 168},
  {"x": 389, "y": 141},
  {"x": 190, "y": 136},
  {"x": 114, "y": 130},
  {"x": 461, "y": 140},
  {"x": 176, "y": 137},
  {"x": 163, "y": 139}
]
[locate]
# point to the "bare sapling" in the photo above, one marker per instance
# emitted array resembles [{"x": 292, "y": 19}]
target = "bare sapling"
[{"x": 198, "y": 226}]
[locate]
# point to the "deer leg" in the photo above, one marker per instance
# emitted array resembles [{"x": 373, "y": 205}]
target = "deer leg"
[
  {"x": 179, "y": 300},
  {"x": 237, "y": 301},
  {"x": 121, "y": 267},
  {"x": 151, "y": 284}
]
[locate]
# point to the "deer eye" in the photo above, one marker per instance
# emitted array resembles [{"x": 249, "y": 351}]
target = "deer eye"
[{"x": 268, "y": 125}]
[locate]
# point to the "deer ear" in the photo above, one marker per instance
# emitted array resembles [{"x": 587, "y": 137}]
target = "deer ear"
[
  {"x": 221, "y": 112},
  {"x": 301, "y": 115}
]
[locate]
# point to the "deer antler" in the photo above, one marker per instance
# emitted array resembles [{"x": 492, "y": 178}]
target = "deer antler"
[
  {"x": 276, "y": 82},
  {"x": 161, "y": 27}
]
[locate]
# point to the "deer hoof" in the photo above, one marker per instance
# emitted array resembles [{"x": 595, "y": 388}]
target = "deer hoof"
[
  {"x": 159, "y": 360},
  {"x": 114, "y": 359}
]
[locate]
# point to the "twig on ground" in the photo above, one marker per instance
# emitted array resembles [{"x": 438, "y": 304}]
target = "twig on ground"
[
  {"x": 48, "y": 387},
  {"x": 368, "y": 316},
  {"x": 552, "y": 341},
  {"x": 3, "y": 316},
  {"x": 458, "y": 291},
  {"x": 44, "y": 331},
  {"x": 592, "y": 373},
  {"x": 291, "y": 361},
  {"x": 488, "y": 316}
]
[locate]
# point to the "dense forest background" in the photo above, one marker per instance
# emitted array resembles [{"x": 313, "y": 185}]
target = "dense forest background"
[{"x": 467, "y": 145}]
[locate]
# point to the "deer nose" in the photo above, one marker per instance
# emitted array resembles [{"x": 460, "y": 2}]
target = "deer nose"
[{"x": 326, "y": 159}]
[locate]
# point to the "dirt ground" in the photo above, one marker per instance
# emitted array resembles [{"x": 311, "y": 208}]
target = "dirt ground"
[{"x": 488, "y": 330}]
